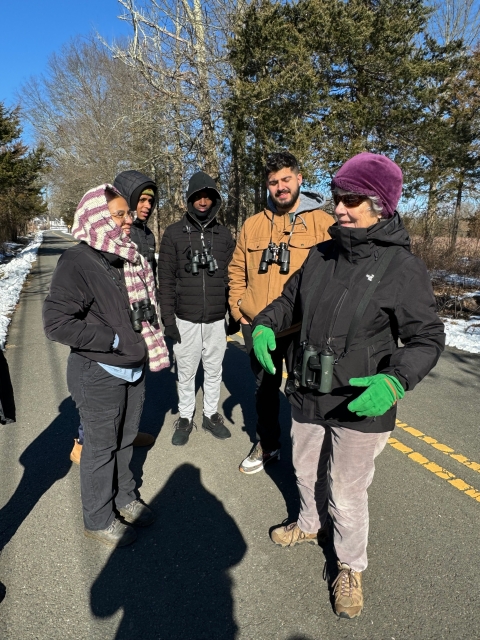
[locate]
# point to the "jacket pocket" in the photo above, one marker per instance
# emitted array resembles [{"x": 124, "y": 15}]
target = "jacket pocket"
[
  {"x": 254, "y": 253},
  {"x": 300, "y": 246}
]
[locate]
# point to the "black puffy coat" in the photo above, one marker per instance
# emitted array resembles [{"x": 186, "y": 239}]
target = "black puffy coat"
[
  {"x": 202, "y": 297},
  {"x": 131, "y": 184},
  {"x": 88, "y": 304},
  {"x": 403, "y": 301}
]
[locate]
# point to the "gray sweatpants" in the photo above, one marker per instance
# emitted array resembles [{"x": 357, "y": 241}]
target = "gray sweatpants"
[
  {"x": 334, "y": 468},
  {"x": 205, "y": 342}
]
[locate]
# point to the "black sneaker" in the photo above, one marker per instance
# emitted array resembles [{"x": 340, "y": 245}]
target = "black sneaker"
[
  {"x": 183, "y": 428},
  {"x": 215, "y": 426}
]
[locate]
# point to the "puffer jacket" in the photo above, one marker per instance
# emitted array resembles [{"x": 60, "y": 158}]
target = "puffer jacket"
[
  {"x": 195, "y": 298},
  {"x": 402, "y": 307},
  {"x": 131, "y": 184},
  {"x": 251, "y": 291}
]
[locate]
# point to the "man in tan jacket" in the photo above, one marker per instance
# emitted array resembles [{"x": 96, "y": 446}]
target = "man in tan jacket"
[{"x": 258, "y": 277}]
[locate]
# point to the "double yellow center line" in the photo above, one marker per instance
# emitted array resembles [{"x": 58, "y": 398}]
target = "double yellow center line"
[{"x": 439, "y": 471}]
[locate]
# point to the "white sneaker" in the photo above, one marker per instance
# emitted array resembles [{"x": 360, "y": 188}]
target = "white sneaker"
[{"x": 257, "y": 459}]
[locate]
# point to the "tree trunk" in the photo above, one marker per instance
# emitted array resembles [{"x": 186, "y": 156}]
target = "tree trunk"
[
  {"x": 456, "y": 214},
  {"x": 430, "y": 219}
]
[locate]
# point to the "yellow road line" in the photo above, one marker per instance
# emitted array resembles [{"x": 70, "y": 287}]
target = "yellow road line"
[
  {"x": 475, "y": 466},
  {"x": 439, "y": 471}
]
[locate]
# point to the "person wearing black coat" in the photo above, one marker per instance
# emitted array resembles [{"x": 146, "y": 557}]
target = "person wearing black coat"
[
  {"x": 356, "y": 296},
  {"x": 95, "y": 287},
  {"x": 193, "y": 292},
  {"x": 141, "y": 194}
]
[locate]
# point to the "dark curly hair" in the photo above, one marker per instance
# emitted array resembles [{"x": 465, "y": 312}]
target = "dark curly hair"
[{"x": 280, "y": 160}]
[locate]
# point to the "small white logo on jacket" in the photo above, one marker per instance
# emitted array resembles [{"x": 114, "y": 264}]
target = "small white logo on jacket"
[{"x": 370, "y": 277}]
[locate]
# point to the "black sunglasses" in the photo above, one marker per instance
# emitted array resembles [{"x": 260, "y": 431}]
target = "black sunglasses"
[{"x": 349, "y": 199}]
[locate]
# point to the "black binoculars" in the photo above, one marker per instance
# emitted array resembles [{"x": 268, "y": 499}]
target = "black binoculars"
[
  {"x": 273, "y": 253},
  {"x": 142, "y": 311},
  {"x": 203, "y": 260},
  {"x": 316, "y": 369}
]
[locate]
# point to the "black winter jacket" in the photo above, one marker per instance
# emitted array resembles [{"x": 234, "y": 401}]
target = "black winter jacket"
[
  {"x": 202, "y": 297},
  {"x": 403, "y": 301},
  {"x": 131, "y": 184},
  {"x": 88, "y": 304}
]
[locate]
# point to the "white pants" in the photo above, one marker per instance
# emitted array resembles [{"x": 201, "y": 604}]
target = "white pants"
[{"x": 205, "y": 342}]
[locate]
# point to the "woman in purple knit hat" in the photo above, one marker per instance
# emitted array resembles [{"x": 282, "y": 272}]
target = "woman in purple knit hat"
[{"x": 357, "y": 296}]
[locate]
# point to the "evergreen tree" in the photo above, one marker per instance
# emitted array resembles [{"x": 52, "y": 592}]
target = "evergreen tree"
[{"x": 20, "y": 171}]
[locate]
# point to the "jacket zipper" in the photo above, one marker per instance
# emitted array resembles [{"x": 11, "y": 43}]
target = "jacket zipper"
[
  {"x": 203, "y": 279},
  {"x": 335, "y": 316}
]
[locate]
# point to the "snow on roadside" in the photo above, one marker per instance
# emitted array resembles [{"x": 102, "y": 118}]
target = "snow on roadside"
[
  {"x": 463, "y": 334},
  {"x": 12, "y": 277}
]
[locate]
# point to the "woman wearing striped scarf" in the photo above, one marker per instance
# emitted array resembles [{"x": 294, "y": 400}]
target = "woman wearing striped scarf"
[{"x": 89, "y": 308}]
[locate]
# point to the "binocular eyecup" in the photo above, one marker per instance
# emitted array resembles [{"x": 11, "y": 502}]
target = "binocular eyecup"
[{"x": 142, "y": 311}]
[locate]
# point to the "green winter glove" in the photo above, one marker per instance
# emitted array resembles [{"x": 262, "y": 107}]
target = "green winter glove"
[
  {"x": 263, "y": 343},
  {"x": 382, "y": 393}
]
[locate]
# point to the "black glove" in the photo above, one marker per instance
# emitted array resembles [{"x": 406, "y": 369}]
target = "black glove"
[
  {"x": 233, "y": 326},
  {"x": 172, "y": 332}
]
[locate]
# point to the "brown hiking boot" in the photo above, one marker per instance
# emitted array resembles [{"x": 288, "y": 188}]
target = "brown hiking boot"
[
  {"x": 76, "y": 452},
  {"x": 291, "y": 535},
  {"x": 348, "y": 592}
]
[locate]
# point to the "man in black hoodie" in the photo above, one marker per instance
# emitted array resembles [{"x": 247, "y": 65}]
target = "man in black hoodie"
[
  {"x": 141, "y": 195},
  {"x": 193, "y": 290}
]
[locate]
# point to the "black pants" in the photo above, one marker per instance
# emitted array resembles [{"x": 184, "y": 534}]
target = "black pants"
[
  {"x": 110, "y": 410},
  {"x": 267, "y": 395}
]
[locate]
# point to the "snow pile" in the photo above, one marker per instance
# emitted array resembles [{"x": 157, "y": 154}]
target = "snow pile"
[
  {"x": 12, "y": 277},
  {"x": 463, "y": 334}
]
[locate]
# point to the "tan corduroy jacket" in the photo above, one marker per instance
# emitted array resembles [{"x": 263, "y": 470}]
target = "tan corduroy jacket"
[{"x": 250, "y": 291}]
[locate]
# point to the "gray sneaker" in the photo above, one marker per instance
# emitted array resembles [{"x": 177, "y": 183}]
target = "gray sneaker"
[
  {"x": 116, "y": 535},
  {"x": 137, "y": 513},
  {"x": 257, "y": 459}
]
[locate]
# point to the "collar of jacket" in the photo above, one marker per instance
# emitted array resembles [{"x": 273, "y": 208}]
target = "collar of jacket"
[
  {"x": 357, "y": 244},
  {"x": 139, "y": 223},
  {"x": 211, "y": 224},
  {"x": 284, "y": 218}
]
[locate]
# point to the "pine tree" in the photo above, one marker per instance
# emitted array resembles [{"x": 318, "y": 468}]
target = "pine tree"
[{"x": 20, "y": 171}]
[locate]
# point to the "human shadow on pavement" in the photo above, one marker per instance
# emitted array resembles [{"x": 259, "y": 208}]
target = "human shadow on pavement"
[
  {"x": 173, "y": 582},
  {"x": 240, "y": 383},
  {"x": 45, "y": 461}
]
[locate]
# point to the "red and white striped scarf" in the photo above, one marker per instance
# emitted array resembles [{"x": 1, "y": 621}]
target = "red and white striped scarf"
[{"x": 94, "y": 225}]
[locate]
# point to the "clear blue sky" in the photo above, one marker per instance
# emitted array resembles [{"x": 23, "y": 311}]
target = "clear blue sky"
[{"x": 31, "y": 30}]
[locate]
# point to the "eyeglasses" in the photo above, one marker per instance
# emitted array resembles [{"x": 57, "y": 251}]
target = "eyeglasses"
[
  {"x": 350, "y": 200},
  {"x": 121, "y": 215}
]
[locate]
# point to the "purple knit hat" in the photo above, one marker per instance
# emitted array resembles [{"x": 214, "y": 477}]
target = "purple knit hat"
[{"x": 372, "y": 175}]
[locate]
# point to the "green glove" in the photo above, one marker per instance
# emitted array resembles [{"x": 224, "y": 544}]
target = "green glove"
[
  {"x": 263, "y": 343},
  {"x": 382, "y": 393}
]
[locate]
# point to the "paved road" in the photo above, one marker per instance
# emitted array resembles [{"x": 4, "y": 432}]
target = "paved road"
[{"x": 206, "y": 569}]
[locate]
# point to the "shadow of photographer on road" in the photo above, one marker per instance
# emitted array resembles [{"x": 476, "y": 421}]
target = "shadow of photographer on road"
[{"x": 174, "y": 582}]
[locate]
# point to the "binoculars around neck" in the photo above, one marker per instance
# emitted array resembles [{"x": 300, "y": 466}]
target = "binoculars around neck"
[
  {"x": 279, "y": 254},
  {"x": 316, "y": 369},
  {"x": 142, "y": 311},
  {"x": 201, "y": 260}
]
